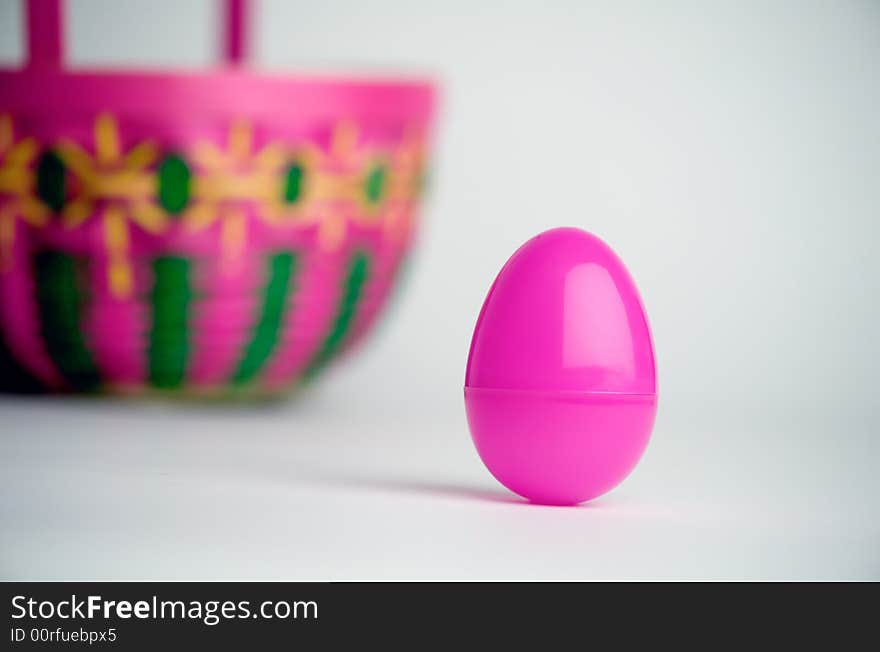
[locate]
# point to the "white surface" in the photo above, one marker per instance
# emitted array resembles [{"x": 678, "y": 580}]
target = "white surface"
[{"x": 304, "y": 491}]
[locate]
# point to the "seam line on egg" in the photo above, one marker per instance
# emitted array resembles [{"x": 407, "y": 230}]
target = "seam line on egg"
[{"x": 557, "y": 392}]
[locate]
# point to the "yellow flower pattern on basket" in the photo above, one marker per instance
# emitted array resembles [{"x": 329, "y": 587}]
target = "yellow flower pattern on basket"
[
  {"x": 122, "y": 186},
  {"x": 350, "y": 182},
  {"x": 17, "y": 185}
]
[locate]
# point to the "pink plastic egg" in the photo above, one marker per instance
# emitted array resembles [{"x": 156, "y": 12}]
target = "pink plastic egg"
[{"x": 560, "y": 388}]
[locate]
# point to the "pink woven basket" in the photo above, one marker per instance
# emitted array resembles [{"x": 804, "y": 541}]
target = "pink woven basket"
[{"x": 199, "y": 233}]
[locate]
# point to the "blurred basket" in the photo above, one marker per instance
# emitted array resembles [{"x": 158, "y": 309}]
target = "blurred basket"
[{"x": 191, "y": 232}]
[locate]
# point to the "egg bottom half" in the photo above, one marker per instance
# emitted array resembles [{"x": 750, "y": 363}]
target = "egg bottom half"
[{"x": 559, "y": 448}]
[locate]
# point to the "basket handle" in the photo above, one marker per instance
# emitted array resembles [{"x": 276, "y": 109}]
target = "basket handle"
[
  {"x": 45, "y": 33},
  {"x": 236, "y": 17}
]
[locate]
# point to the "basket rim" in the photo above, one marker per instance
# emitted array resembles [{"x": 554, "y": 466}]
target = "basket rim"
[{"x": 221, "y": 92}]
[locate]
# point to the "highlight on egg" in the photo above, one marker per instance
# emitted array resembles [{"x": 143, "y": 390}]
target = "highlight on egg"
[{"x": 560, "y": 387}]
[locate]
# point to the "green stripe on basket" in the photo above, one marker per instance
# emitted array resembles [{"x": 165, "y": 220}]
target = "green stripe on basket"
[
  {"x": 169, "y": 336},
  {"x": 282, "y": 268},
  {"x": 358, "y": 270},
  {"x": 60, "y": 301}
]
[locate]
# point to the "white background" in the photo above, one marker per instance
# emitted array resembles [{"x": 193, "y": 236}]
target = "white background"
[{"x": 730, "y": 153}]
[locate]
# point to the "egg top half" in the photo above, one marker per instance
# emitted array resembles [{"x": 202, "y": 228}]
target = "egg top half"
[{"x": 563, "y": 315}]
